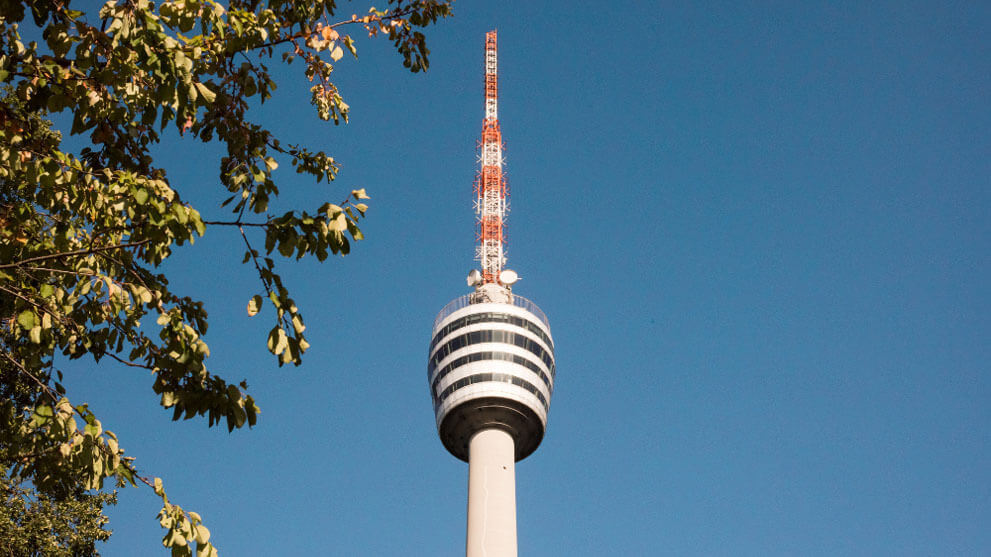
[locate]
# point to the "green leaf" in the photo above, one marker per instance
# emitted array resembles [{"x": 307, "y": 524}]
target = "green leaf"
[
  {"x": 205, "y": 92},
  {"x": 26, "y": 319},
  {"x": 354, "y": 230}
]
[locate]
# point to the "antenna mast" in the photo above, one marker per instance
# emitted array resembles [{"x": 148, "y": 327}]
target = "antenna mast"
[{"x": 492, "y": 203}]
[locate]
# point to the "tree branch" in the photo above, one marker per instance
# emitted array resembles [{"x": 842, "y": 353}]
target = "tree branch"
[
  {"x": 20, "y": 366},
  {"x": 235, "y": 223},
  {"x": 301, "y": 34},
  {"x": 87, "y": 251},
  {"x": 63, "y": 271},
  {"x": 113, "y": 356}
]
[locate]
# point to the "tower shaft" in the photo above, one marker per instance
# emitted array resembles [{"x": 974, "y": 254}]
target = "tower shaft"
[
  {"x": 491, "y": 202},
  {"x": 491, "y": 495}
]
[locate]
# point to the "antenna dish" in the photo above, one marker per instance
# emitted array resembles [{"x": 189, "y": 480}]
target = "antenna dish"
[
  {"x": 508, "y": 277},
  {"x": 474, "y": 278}
]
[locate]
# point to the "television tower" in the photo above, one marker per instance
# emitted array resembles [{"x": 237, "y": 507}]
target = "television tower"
[{"x": 491, "y": 364}]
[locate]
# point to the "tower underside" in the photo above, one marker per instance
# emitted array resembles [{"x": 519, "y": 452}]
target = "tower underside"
[{"x": 469, "y": 417}]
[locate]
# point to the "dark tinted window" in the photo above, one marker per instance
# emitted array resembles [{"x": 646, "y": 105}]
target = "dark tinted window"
[
  {"x": 476, "y": 337},
  {"x": 483, "y": 377},
  {"x": 481, "y": 356},
  {"x": 491, "y": 318}
]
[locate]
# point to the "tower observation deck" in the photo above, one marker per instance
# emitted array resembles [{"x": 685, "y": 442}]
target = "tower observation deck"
[
  {"x": 491, "y": 365},
  {"x": 491, "y": 359}
]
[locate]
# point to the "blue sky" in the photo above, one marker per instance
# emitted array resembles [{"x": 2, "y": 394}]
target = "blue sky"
[{"x": 761, "y": 237}]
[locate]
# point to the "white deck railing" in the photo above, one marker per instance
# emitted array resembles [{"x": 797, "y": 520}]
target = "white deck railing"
[{"x": 518, "y": 301}]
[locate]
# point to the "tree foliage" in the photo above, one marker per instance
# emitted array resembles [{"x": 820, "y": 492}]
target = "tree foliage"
[
  {"x": 83, "y": 232},
  {"x": 35, "y": 524}
]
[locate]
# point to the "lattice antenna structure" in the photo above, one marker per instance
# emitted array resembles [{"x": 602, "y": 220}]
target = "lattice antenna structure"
[{"x": 491, "y": 194}]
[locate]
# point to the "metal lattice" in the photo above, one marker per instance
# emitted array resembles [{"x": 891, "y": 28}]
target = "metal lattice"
[{"x": 490, "y": 186}]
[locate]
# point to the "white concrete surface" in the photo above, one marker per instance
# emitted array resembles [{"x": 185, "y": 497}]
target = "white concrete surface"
[{"x": 491, "y": 495}]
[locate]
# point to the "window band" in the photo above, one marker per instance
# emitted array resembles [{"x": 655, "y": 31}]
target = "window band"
[
  {"x": 490, "y": 317},
  {"x": 498, "y": 336},
  {"x": 486, "y": 356},
  {"x": 499, "y": 377}
]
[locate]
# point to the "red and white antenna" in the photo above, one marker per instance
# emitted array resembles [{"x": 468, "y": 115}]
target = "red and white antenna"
[{"x": 492, "y": 197}]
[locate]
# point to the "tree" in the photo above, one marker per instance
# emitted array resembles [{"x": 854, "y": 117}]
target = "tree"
[{"x": 81, "y": 233}]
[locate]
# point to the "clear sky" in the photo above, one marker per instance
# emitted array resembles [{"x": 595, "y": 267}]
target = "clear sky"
[{"x": 761, "y": 235}]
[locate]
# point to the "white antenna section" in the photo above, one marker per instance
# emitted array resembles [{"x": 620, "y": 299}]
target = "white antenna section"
[{"x": 508, "y": 277}]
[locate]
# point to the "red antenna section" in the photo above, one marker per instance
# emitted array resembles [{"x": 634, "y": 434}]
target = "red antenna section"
[{"x": 492, "y": 197}]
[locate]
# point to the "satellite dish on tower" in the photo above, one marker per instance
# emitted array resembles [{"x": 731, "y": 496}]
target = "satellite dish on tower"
[
  {"x": 474, "y": 278},
  {"x": 508, "y": 277}
]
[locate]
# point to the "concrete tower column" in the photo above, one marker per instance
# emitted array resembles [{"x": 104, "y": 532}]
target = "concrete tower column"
[{"x": 491, "y": 495}]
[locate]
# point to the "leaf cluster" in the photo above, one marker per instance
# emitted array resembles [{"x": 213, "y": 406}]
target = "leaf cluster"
[
  {"x": 82, "y": 234},
  {"x": 35, "y": 524}
]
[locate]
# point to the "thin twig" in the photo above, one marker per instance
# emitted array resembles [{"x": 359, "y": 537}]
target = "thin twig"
[
  {"x": 126, "y": 362},
  {"x": 64, "y": 271},
  {"x": 235, "y": 223},
  {"x": 29, "y": 301}
]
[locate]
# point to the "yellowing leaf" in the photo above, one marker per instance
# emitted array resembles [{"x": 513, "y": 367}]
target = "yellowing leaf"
[
  {"x": 336, "y": 53},
  {"x": 297, "y": 324},
  {"x": 254, "y": 305},
  {"x": 338, "y": 223}
]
